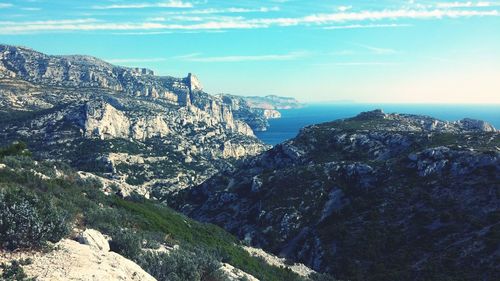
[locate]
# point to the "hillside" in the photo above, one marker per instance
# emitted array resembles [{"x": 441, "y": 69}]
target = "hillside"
[
  {"x": 42, "y": 203},
  {"x": 374, "y": 197}
]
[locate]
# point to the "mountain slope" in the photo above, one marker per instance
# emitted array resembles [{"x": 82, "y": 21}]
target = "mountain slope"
[
  {"x": 374, "y": 197},
  {"x": 157, "y": 134},
  {"x": 46, "y": 202}
]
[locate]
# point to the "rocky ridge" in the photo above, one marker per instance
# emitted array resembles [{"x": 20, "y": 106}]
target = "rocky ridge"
[
  {"x": 375, "y": 197},
  {"x": 86, "y": 111}
]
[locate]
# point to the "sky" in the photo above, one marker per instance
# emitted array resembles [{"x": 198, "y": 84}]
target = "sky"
[{"x": 317, "y": 51}]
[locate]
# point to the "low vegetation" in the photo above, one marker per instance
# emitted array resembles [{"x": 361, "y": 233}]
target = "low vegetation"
[{"x": 49, "y": 199}]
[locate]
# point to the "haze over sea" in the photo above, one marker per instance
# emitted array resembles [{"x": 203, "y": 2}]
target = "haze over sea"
[{"x": 294, "y": 119}]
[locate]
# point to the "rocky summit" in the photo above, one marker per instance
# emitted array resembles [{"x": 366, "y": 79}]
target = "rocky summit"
[
  {"x": 375, "y": 197},
  {"x": 152, "y": 134}
]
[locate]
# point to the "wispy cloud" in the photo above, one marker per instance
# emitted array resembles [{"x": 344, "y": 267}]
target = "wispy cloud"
[
  {"x": 344, "y": 8},
  {"x": 31, "y": 9},
  {"x": 376, "y": 50},
  {"x": 80, "y": 25},
  {"x": 467, "y": 4},
  {"x": 376, "y": 15},
  {"x": 164, "y": 4},
  {"x": 359, "y": 63},
  {"x": 187, "y": 56},
  {"x": 5, "y": 5},
  {"x": 247, "y": 58},
  {"x": 48, "y": 22},
  {"x": 230, "y": 10},
  {"x": 135, "y": 60},
  {"x": 361, "y": 26},
  {"x": 227, "y": 23}
]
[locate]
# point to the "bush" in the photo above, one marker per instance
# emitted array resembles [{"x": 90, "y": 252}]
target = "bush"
[
  {"x": 28, "y": 220},
  {"x": 321, "y": 277},
  {"x": 180, "y": 265},
  {"x": 127, "y": 243},
  {"x": 15, "y": 149}
]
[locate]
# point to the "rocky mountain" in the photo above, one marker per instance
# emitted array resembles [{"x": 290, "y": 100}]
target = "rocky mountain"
[
  {"x": 375, "y": 197},
  {"x": 156, "y": 134}
]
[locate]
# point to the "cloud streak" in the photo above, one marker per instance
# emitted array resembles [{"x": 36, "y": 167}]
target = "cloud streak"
[
  {"x": 248, "y": 58},
  {"x": 164, "y": 4},
  {"x": 367, "y": 26},
  {"x": 364, "y": 63},
  {"x": 135, "y": 60},
  {"x": 467, "y": 4},
  {"x": 377, "y": 15},
  {"x": 376, "y": 50},
  {"x": 227, "y": 23}
]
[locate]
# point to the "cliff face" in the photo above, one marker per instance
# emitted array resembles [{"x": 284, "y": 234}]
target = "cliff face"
[
  {"x": 374, "y": 197},
  {"x": 83, "y": 110}
]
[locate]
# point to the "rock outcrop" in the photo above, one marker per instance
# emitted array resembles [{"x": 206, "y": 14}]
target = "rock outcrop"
[
  {"x": 71, "y": 260},
  {"x": 358, "y": 196},
  {"x": 94, "y": 239}
]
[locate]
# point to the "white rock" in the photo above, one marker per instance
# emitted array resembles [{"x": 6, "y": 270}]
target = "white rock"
[
  {"x": 73, "y": 261},
  {"x": 94, "y": 239},
  {"x": 298, "y": 268},
  {"x": 235, "y": 274}
]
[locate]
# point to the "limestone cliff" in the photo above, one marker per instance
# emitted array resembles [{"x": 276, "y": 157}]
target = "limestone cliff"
[{"x": 84, "y": 110}]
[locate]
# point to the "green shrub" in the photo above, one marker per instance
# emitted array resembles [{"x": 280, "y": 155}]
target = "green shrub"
[
  {"x": 180, "y": 265},
  {"x": 127, "y": 243},
  {"x": 321, "y": 277},
  {"x": 17, "y": 148},
  {"x": 29, "y": 220}
]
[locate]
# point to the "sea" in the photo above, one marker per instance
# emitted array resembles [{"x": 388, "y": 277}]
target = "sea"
[{"x": 293, "y": 120}]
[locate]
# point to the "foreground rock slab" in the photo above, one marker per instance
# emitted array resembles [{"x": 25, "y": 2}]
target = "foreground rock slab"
[{"x": 74, "y": 261}]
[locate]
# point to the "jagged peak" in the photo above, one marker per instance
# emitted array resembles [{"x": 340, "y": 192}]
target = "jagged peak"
[{"x": 193, "y": 82}]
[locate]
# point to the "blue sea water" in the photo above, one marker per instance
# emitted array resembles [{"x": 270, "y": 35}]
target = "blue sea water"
[{"x": 294, "y": 119}]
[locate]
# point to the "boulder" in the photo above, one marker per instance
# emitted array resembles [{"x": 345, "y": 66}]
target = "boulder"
[{"x": 94, "y": 239}]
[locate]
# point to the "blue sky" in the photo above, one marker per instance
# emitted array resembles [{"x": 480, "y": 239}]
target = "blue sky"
[{"x": 363, "y": 51}]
